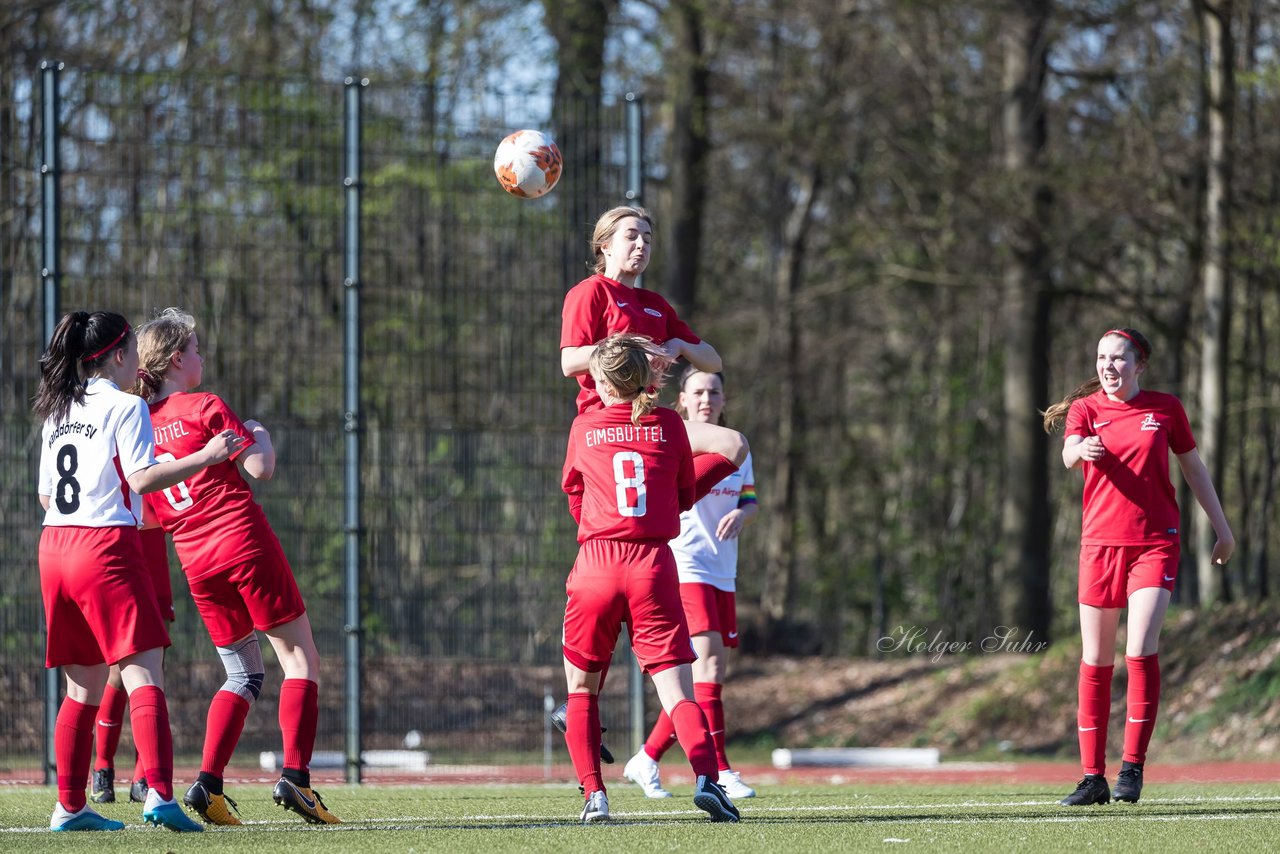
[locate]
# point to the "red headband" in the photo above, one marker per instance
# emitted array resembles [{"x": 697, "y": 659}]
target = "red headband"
[
  {"x": 114, "y": 342},
  {"x": 1136, "y": 342}
]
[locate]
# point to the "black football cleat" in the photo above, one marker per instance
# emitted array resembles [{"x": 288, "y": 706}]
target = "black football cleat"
[
  {"x": 1128, "y": 783},
  {"x": 558, "y": 721},
  {"x": 104, "y": 782},
  {"x": 1091, "y": 790}
]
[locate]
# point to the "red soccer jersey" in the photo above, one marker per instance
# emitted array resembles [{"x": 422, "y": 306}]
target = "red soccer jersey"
[
  {"x": 212, "y": 515},
  {"x": 1128, "y": 497},
  {"x": 597, "y": 307},
  {"x": 634, "y": 481}
]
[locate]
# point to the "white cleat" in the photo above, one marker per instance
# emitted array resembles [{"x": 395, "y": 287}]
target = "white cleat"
[
  {"x": 596, "y": 808},
  {"x": 643, "y": 771},
  {"x": 733, "y": 786}
]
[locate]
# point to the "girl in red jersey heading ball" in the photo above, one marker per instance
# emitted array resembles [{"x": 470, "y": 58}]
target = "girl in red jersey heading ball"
[
  {"x": 238, "y": 574},
  {"x": 628, "y": 473},
  {"x": 1120, "y": 436}
]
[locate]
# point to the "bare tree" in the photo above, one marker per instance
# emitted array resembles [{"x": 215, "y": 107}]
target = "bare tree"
[
  {"x": 1215, "y": 16},
  {"x": 1025, "y": 330}
]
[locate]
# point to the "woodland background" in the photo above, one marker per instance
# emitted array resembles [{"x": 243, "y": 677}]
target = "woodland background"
[{"x": 903, "y": 224}]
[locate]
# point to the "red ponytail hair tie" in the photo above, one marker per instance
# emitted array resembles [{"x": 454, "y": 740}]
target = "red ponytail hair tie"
[{"x": 651, "y": 390}]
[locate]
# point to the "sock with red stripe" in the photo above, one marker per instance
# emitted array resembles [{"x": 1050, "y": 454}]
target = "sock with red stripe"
[
  {"x": 109, "y": 724},
  {"x": 707, "y": 695},
  {"x": 661, "y": 737},
  {"x": 299, "y": 713},
  {"x": 691, "y": 729},
  {"x": 1143, "y": 701},
  {"x": 708, "y": 471},
  {"x": 582, "y": 737},
  {"x": 227, "y": 714},
  {"x": 1091, "y": 716},
  {"x": 73, "y": 751},
  {"x": 149, "y": 718}
]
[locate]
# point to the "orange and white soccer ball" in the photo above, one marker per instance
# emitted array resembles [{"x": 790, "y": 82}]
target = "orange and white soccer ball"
[{"x": 528, "y": 164}]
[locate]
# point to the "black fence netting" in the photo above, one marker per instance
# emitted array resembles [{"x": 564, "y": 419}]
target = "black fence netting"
[{"x": 226, "y": 197}]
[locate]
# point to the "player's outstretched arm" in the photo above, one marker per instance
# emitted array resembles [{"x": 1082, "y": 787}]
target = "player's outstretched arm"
[{"x": 166, "y": 474}]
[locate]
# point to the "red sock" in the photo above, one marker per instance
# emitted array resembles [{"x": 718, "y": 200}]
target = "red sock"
[
  {"x": 691, "y": 729},
  {"x": 73, "y": 750},
  {"x": 582, "y": 737},
  {"x": 299, "y": 713},
  {"x": 709, "y": 470},
  {"x": 708, "y": 696},
  {"x": 1091, "y": 716},
  {"x": 149, "y": 717},
  {"x": 1143, "y": 702},
  {"x": 227, "y": 713},
  {"x": 107, "y": 730},
  {"x": 661, "y": 737}
]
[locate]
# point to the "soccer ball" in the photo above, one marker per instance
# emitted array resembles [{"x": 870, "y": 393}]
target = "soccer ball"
[{"x": 527, "y": 164}]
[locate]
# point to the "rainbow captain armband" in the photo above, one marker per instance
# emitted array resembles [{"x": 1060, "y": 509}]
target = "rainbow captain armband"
[{"x": 747, "y": 495}]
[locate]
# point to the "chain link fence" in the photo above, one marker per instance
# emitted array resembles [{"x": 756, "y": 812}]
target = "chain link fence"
[{"x": 225, "y": 196}]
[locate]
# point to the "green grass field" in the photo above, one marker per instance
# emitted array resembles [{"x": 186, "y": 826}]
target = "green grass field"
[{"x": 384, "y": 819}]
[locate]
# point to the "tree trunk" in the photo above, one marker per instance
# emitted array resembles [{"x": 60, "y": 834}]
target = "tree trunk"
[
  {"x": 780, "y": 562},
  {"x": 1215, "y": 16},
  {"x": 690, "y": 148},
  {"x": 579, "y": 27},
  {"x": 1024, "y": 570}
]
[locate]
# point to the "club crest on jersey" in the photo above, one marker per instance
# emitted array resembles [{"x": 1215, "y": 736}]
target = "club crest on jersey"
[
  {"x": 653, "y": 311},
  {"x": 1150, "y": 423}
]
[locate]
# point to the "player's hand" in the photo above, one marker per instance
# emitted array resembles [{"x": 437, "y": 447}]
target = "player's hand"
[
  {"x": 731, "y": 525},
  {"x": 1092, "y": 449},
  {"x": 223, "y": 445},
  {"x": 1222, "y": 549}
]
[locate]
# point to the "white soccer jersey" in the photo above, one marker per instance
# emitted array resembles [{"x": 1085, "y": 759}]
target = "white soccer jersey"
[
  {"x": 85, "y": 459},
  {"x": 701, "y": 557}
]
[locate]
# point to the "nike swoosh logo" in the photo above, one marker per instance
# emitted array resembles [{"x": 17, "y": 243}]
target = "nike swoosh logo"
[
  {"x": 623, "y": 304},
  {"x": 1098, "y": 424},
  {"x": 1167, "y": 578},
  {"x": 108, "y": 723},
  {"x": 1086, "y": 728},
  {"x": 733, "y": 635},
  {"x": 1134, "y": 720},
  {"x": 307, "y": 802}
]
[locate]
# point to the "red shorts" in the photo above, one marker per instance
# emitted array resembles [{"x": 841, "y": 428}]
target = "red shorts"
[
  {"x": 156, "y": 553},
  {"x": 1110, "y": 574},
  {"x": 615, "y": 582},
  {"x": 710, "y": 609},
  {"x": 259, "y": 593},
  {"x": 99, "y": 606}
]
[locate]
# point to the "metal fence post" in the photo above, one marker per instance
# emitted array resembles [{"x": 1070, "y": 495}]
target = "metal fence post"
[
  {"x": 50, "y": 274},
  {"x": 635, "y": 195},
  {"x": 351, "y": 417}
]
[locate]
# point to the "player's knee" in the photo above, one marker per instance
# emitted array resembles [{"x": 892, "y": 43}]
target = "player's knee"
[
  {"x": 245, "y": 671},
  {"x": 740, "y": 449}
]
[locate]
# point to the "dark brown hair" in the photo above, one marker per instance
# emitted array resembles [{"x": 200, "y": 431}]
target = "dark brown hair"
[{"x": 81, "y": 343}]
